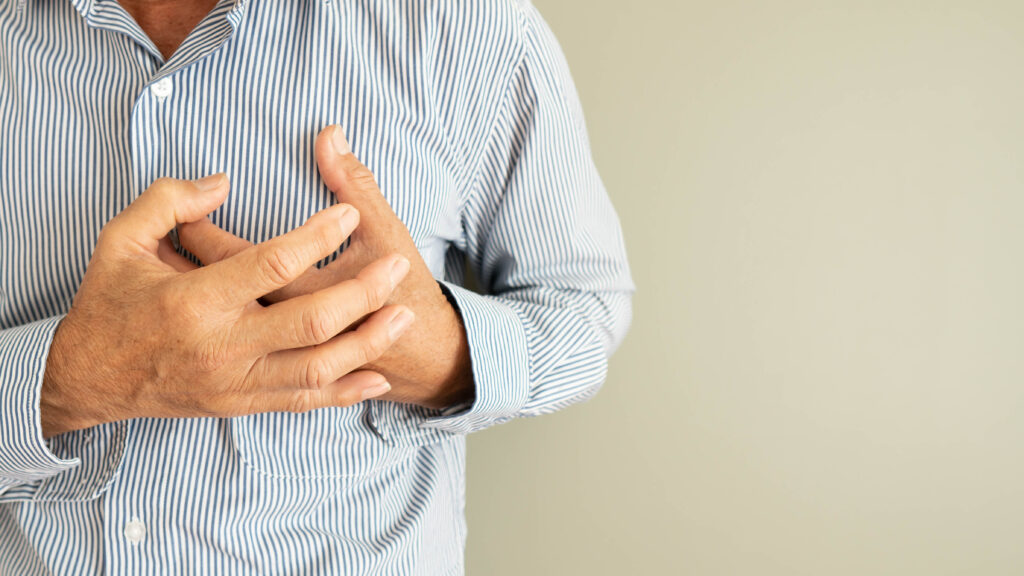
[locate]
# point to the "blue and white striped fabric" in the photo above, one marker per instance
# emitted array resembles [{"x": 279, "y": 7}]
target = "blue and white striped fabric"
[{"x": 465, "y": 111}]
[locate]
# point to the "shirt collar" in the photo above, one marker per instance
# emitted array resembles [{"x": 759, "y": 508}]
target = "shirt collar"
[{"x": 85, "y": 8}]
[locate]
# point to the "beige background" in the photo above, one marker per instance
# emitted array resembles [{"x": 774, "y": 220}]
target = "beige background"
[{"x": 822, "y": 203}]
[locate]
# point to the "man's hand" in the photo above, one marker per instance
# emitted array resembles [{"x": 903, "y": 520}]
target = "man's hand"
[
  {"x": 430, "y": 365},
  {"x": 151, "y": 335}
]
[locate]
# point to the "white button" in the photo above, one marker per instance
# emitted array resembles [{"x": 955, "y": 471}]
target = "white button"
[
  {"x": 163, "y": 88},
  {"x": 135, "y": 531}
]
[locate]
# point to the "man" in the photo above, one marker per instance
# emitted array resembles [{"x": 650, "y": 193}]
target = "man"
[{"x": 257, "y": 413}]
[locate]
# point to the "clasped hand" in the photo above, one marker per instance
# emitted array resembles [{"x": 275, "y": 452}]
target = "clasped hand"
[{"x": 149, "y": 334}]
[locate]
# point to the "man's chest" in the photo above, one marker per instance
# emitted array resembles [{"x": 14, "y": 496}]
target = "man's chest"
[{"x": 78, "y": 146}]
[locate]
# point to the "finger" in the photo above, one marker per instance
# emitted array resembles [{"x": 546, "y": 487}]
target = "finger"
[
  {"x": 266, "y": 267},
  {"x": 346, "y": 391},
  {"x": 164, "y": 204},
  {"x": 346, "y": 176},
  {"x": 315, "y": 367},
  {"x": 165, "y": 251},
  {"x": 209, "y": 242},
  {"x": 317, "y": 278},
  {"x": 316, "y": 318}
]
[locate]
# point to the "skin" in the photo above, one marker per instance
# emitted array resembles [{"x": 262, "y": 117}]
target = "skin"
[
  {"x": 167, "y": 22},
  {"x": 430, "y": 365},
  {"x": 186, "y": 342},
  {"x": 149, "y": 335}
]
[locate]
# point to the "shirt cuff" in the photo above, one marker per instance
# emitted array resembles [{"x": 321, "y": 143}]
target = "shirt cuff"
[
  {"x": 100, "y": 450},
  {"x": 500, "y": 362},
  {"x": 74, "y": 466},
  {"x": 25, "y": 456}
]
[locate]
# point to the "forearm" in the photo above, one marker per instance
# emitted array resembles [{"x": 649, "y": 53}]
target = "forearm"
[{"x": 60, "y": 409}]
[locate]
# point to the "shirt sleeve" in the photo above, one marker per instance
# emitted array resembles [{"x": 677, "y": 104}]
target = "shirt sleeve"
[
  {"x": 546, "y": 247},
  {"x": 24, "y": 455},
  {"x": 75, "y": 465}
]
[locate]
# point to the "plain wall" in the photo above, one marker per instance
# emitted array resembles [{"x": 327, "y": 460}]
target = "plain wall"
[{"x": 823, "y": 207}]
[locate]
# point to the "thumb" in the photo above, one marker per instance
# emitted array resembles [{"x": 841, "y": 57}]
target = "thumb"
[
  {"x": 350, "y": 180},
  {"x": 166, "y": 203}
]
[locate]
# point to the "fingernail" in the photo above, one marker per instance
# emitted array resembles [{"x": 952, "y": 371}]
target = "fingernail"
[
  {"x": 376, "y": 390},
  {"x": 339, "y": 141},
  {"x": 398, "y": 270},
  {"x": 399, "y": 323},
  {"x": 209, "y": 183}
]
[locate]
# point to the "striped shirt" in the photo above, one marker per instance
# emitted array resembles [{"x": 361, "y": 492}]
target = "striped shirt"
[{"x": 467, "y": 114}]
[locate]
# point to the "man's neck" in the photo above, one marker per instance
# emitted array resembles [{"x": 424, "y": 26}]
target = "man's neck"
[{"x": 168, "y": 22}]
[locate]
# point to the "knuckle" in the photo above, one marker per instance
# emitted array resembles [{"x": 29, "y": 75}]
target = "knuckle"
[
  {"x": 167, "y": 302},
  {"x": 175, "y": 307},
  {"x": 210, "y": 356},
  {"x": 103, "y": 239},
  {"x": 163, "y": 181},
  {"x": 315, "y": 325},
  {"x": 377, "y": 345},
  {"x": 260, "y": 376},
  {"x": 299, "y": 403},
  {"x": 209, "y": 407},
  {"x": 317, "y": 374},
  {"x": 375, "y": 293},
  {"x": 164, "y": 186},
  {"x": 324, "y": 239},
  {"x": 362, "y": 176},
  {"x": 276, "y": 264},
  {"x": 369, "y": 349},
  {"x": 111, "y": 232},
  {"x": 361, "y": 355}
]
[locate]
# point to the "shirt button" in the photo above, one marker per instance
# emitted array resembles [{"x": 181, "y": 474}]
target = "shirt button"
[
  {"x": 163, "y": 88},
  {"x": 135, "y": 531}
]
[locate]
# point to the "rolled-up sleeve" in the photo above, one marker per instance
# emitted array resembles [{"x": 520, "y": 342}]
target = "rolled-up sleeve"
[{"x": 546, "y": 246}]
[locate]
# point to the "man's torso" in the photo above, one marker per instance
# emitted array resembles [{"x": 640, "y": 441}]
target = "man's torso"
[{"x": 91, "y": 116}]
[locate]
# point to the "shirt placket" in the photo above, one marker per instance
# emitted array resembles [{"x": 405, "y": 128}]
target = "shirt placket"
[
  {"x": 135, "y": 539},
  {"x": 165, "y": 92}
]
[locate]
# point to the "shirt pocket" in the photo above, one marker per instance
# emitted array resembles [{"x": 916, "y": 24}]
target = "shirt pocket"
[{"x": 325, "y": 443}]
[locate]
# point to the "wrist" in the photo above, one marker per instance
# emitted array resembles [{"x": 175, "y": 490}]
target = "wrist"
[
  {"x": 60, "y": 408},
  {"x": 459, "y": 390},
  {"x": 457, "y": 385},
  {"x": 429, "y": 365}
]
